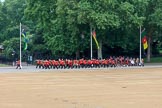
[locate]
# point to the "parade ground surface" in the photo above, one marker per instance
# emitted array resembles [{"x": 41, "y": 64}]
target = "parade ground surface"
[{"x": 128, "y": 87}]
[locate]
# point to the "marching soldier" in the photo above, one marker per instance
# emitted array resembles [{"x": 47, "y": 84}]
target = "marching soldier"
[
  {"x": 38, "y": 63},
  {"x": 18, "y": 64}
]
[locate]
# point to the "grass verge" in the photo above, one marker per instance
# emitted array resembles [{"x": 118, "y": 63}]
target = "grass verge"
[
  {"x": 154, "y": 60},
  {"x": 3, "y": 65}
]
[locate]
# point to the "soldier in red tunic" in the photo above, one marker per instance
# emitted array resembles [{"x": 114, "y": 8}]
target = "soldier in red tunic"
[
  {"x": 75, "y": 63},
  {"x": 38, "y": 63},
  {"x": 62, "y": 63},
  {"x": 18, "y": 64},
  {"x": 56, "y": 64},
  {"x": 80, "y": 63},
  {"x": 46, "y": 64},
  {"x": 89, "y": 63},
  {"x": 85, "y": 63}
]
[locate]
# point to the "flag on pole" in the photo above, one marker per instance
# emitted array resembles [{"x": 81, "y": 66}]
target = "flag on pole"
[
  {"x": 144, "y": 40},
  {"x": 26, "y": 40},
  {"x": 94, "y": 37}
]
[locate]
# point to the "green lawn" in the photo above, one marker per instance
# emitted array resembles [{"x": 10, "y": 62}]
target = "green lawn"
[
  {"x": 155, "y": 60},
  {"x": 3, "y": 65}
]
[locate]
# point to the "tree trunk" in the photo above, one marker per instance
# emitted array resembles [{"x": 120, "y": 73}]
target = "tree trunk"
[
  {"x": 100, "y": 50},
  {"x": 77, "y": 54},
  {"x": 149, "y": 49}
]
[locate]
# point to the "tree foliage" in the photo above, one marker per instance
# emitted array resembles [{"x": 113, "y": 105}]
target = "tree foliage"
[{"x": 62, "y": 27}]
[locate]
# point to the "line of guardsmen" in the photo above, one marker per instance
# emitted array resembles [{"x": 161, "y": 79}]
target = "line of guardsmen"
[{"x": 83, "y": 63}]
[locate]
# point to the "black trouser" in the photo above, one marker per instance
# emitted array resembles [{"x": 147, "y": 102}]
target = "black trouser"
[{"x": 18, "y": 65}]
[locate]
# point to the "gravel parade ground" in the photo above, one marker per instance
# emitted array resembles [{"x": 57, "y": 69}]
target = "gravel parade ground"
[{"x": 128, "y": 87}]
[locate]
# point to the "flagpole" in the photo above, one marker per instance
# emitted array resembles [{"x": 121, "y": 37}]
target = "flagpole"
[
  {"x": 140, "y": 44},
  {"x": 20, "y": 45},
  {"x": 91, "y": 40}
]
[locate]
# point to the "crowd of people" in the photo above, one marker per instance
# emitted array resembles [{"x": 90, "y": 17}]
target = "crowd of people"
[{"x": 94, "y": 63}]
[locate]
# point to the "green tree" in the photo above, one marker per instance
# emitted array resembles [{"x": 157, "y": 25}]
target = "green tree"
[
  {"x": 13, "y": 13},
  {"x": 62, "y": 28},
  {"x": 152, "y": 22},
  {"x": 10, "y": 46}
]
